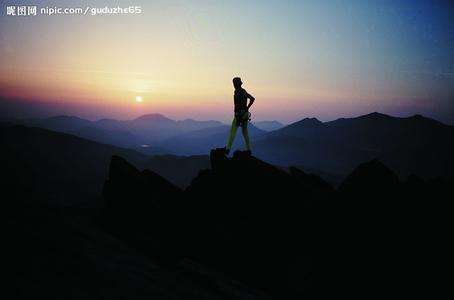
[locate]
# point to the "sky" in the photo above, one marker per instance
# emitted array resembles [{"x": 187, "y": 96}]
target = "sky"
[{"x": 324, "y": 59}]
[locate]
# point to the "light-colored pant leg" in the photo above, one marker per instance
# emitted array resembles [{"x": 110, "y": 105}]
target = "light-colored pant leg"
[
  {"x": 246, "y": 136},
  {"x": 233, "y": 129}
]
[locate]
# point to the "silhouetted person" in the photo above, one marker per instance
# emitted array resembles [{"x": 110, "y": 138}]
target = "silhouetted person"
[{"x": 242, "y": 115}]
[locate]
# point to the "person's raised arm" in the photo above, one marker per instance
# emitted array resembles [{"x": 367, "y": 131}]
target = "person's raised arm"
[{"x": 251, "y": 100}]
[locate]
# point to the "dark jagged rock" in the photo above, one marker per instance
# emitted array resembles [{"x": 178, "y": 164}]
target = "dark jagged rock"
[
  {"x": 311, "y": 181},
  {"x": 127, "y": 182},
  {"x": 372, "y": 178},
  {"x": 218, "y": 158},
  {"x": 141, "y": 208},
  {"x": 385, "y": 230},
  {"x": 134, "y": 194},
  {"x": 237, "y": 217},
  {"x": 254, "y": 214}
]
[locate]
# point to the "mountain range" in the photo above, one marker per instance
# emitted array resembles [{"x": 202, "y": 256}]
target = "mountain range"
[
  {"x": 143, "y": 131},
  {"x": 412, "y": 145},
  {"x": 150, "y": 134}
]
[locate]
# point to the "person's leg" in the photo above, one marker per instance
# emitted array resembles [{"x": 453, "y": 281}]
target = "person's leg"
[
  {"x": 246, "y": 136},
  {"x": 233, "y": 129}
]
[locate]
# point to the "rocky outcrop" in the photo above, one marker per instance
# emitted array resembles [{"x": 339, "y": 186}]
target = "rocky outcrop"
[
  {"x": 371, "y": 178},
  {"x": 127, "y": 188},
  {"x": 237, "y": 216},
  {"x": 141, "y": 207},
  {"x": 289, "y": 234}
]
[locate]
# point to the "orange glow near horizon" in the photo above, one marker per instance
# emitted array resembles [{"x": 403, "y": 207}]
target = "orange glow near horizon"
[
  {"x": 119, "y": 91},
  {"x": 297, "y": 59}
]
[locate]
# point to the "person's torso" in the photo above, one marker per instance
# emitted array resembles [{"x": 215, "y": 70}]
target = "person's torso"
[{"x": 240, "y": 99}]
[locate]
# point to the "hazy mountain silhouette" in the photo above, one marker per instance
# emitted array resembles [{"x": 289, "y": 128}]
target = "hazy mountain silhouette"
[
  {"x": 192, "y": 125},
  {"x": 409, "y": 145},
  {"x": 120, "y": 138},
  {"x": 201, "y": 141},
  {"x": 158, "y": 121},
  {"x": 268, "y": 125},
  {"x": 60, "y": 123},
  {"x": 145, "y": 130},
  {"x": 413, "y": 145}
]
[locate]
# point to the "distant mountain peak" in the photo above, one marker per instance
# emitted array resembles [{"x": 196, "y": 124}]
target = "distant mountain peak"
[
  {"x": 417, "y": 118},
  {"x": 372, "y": 176},
  {"x": 107, "y": 120},
  {"x": 189, "y": 120},
  {"x": 376, "y": 115},
  {"x": 65, "y": 117},
  {"x": 270, "y": 122},
  {"x": 152, "y": 117},
  {"x": 310, "y": 122},
  {"x": 425, "y": 120},
  {"x": 268, "y": 125},
  {"x": 422, "y": 118}
]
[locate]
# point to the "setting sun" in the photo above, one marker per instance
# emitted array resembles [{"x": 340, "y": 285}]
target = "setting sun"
[{"x": 139, "y": 99}]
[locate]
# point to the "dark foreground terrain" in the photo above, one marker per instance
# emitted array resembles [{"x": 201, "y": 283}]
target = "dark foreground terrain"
[{"x": 242, "y": 229}]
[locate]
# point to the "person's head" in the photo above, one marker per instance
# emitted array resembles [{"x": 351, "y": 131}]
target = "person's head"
[{"x": 237, "y": 82}]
